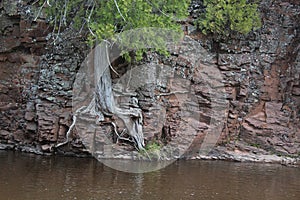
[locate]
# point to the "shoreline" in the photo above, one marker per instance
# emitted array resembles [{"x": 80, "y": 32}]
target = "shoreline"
[
  {"x": 219, "y": 153},
  {"x": 243, "y": 156}
]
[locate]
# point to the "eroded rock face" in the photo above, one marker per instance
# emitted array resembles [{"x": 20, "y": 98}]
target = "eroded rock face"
[
  {"x": 21, "y": 45},
  {"x": 261, "y": 74},
  {"x": 36, "y": 80}
]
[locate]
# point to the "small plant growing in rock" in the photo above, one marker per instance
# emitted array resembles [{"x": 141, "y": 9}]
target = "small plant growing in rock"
[
  {"x": 255, "y": 145},
  {"x": 152, "y": 150},
  {"x": 153, "y": 146}
]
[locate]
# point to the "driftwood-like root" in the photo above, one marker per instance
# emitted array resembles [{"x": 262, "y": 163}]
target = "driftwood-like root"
[{"x": 103, "y": 103}]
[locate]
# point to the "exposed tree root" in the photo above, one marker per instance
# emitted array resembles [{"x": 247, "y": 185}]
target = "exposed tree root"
[
  {"x": 103, "y": 103},
  {"x": 120, "y": 136},
  {"x": 68, "y": 133},
  {"x": 70, "y": 128}
]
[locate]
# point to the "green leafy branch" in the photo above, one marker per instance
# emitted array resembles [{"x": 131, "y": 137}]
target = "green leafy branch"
[
  {"x": 224, "y": 16},
  {"x": 104, "y": 18}
]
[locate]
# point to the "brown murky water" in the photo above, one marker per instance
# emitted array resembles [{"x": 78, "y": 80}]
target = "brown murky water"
[{"x": 24, "y": 176}]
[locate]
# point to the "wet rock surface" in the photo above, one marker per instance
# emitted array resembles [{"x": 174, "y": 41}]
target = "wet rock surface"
[{"x": 260, "y": 72}]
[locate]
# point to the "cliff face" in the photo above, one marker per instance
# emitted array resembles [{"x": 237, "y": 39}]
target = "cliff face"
[
  {"x": 36, "y": 80},
  {"x": 264, "y": 109},
  {"x": 261, "y": 76},
  {"x": 22, "y": 44}
]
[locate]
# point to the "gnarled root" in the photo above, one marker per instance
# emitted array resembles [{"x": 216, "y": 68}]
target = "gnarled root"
[{"x": 68, "y": 133}]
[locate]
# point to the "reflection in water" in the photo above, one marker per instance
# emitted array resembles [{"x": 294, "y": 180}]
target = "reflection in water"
[{"x": 25, "y": 176}]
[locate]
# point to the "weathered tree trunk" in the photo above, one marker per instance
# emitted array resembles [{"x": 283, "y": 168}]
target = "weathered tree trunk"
[
  {"x": 104, "y": 100},
  {"x": 105, "y": 103}
]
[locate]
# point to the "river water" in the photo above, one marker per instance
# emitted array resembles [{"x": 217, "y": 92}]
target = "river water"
[{"x": 26, "y": 176}]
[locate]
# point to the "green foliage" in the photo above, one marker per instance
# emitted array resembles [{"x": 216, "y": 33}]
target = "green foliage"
[
  {"x": 153, "y": 146},
  {"x": 255, "y": 145},
  {"x": 152, "y": 150},
  {"x": 224, "y": 16},
  {"x": 105, "y": 18}
]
